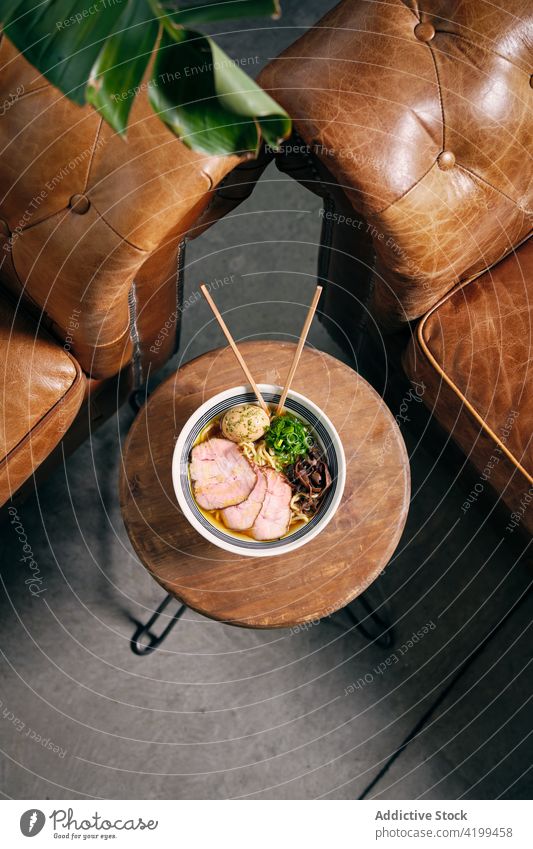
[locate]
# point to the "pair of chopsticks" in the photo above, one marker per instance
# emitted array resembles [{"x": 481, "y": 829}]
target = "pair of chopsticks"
[{"x": 240, "y": 359}]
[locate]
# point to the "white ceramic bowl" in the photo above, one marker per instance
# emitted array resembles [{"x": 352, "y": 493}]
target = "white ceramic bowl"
[{"x": 327, "y": 438}]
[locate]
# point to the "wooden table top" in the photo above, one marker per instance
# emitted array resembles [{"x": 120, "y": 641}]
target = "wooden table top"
[{"x": 268, "y": 592}]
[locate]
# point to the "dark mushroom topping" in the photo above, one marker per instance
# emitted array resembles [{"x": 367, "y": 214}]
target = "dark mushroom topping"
[{"x": 311, "y": 477}]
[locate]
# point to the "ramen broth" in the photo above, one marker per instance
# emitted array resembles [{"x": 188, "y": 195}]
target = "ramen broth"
[{"x": 213, "y": 429}]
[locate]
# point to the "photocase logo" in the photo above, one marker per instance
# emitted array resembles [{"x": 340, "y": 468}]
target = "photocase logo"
[{"x": 32, "y": 822}]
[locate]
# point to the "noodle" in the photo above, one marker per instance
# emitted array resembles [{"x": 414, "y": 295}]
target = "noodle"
[
  {"x": 296, "y": 513},
  {"x": 259, "y": 454}
]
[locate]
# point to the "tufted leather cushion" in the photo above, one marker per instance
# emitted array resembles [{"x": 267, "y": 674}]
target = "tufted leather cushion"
[
  {"x": 42, "y": 388},
  {"x": 422, "y": 112},
  {"x": 86, "y": 214},
  {"x": 474, "y": 354}
]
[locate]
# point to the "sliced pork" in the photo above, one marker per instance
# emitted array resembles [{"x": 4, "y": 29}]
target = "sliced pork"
[
  {"x": 243, "y": 515},
  {"x": 275, "y": 514},
  {"x": 221, "y": 476}
]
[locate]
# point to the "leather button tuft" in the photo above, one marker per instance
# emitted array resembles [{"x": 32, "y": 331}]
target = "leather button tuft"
[
  {"x": 425, "y": 31},
  {"x": 79, "y": 204},
  {"x": 446, "y": 160}
]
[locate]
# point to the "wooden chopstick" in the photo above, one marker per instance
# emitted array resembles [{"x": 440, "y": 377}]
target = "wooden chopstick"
[
  {"x": 299, "y": 349},
  {"x": 234, "y": 348}
]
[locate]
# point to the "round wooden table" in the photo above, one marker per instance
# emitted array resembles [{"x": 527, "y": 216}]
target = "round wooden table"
[{"x": 271, "y": 592}]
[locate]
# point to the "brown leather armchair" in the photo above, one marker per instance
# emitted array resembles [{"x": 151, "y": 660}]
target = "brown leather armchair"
[
  {"x": 92, "y": 235},
  {"x": 414, "y": 124}
]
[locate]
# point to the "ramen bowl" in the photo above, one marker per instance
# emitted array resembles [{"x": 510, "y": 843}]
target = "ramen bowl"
[{"x": 325, "y": 435}]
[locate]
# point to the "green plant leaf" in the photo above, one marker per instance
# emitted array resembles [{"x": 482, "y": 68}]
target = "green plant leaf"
[
  {"x": 62, "y": 38},
  {"x": 8, "y": 9},
  {"x": 207, "y": 100},
  {"x": 121, "y": 63},
  {"x": 243, "y": 96},
  {"x": 99, "y": 53},
  {"x": 183, "y": 95},
  {"x": 209, "y": 11}
]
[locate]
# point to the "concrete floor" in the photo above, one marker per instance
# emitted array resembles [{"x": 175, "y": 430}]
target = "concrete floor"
[{"x": 221, "y": 712}]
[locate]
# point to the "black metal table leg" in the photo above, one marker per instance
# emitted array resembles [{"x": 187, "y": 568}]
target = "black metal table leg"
[
  {"x": 144, "y": 641},
  {"x": 375, "y": 627}
]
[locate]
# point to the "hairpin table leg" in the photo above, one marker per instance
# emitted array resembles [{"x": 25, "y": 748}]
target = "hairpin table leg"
[
  {"x": 375, "y": 626},
  {"x": 144, "y": 641}
]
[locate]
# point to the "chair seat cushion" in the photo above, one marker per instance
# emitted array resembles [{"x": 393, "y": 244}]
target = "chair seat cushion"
[
  {"x": 41, "y": 390},
  {"x": 474, "y": 354},
  {"x": 83, "y": 210},
  {"x": 421, "y": 112}
]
